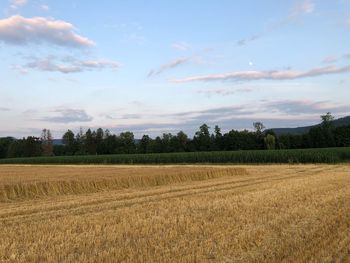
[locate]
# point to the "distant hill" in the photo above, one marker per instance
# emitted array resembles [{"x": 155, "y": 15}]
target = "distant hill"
[
  {"x": 301, "y": 130},
  {"x": 57, "y": 142}
]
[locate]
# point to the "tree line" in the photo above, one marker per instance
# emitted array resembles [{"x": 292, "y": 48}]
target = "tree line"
[{"x": 92, "y": 142}]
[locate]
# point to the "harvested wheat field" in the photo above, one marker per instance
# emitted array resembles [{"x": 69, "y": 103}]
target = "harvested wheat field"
[{"x": 268, "y": 213}]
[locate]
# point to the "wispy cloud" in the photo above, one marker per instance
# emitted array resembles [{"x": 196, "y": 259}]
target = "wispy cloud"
[
  {"x": 272, "y": 109},
  {"x": 333, "y": 59},
  {"x": 267, "y": 75},
  {"x": 223, "y": 91},
  {"x": 48, "y": 65},
  {"x": 131, "y": 116},
  {"x": 18, "y": 30},
  {"x": 245, "y": 41},
  {"x": 4, "y": 109},
  {"x": 20, "y": 69},
  {"x": 44, "y": 7},
  {"x": 67, "y": 64},
  {"x": 345, "y": 22},
  {"x": 173, "y": 64},
  {"x": 181, "y": 46},
  {"x": 302, "y": 7},
  {"x": 329, "y": 59},
  {"x": 99, "y": 64},
  {"x": 298, "y": 107},
  {"x": 68, "y": 116},
  {"x": 15, "y": 4}
]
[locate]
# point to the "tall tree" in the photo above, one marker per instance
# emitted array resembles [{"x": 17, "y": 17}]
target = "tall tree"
[
  {"x": 127, "y": 142},
  {"x": 46, "y": 142},
  {"x": 166, "y": 142},
  {"x": 68, "y": 139},
  {"x": 182, "y": 140},
  {"x": 202, "y": 138},
  {"x": 90, "y": 142},
  {"x": 327, "y": 120},
  {"x": 144, "y": 145},
  {"x": 259, "y": 127},
  {"x": 270, "y": 142},
  {"x": 328, "y": 128},
  {"x": 99, "y": 141},
  {"x": 218, "y": 140},
  {"x": 79, "y": 139}
]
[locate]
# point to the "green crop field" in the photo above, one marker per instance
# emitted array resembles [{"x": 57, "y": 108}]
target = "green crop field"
[{"x": 325, "y": 155}]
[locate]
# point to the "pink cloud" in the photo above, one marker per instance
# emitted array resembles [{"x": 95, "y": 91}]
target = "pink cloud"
[
  {"x": 271, "y": 75},
  {"x": 20, "y": 31}
]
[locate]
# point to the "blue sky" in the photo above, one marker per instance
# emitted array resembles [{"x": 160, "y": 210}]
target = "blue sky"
[{"x": 163, "y": 66}]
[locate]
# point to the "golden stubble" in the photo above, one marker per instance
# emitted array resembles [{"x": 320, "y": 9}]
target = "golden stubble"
[{"x": 269, "y": 213}]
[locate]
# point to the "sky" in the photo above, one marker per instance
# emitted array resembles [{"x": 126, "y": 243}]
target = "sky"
[{"x": 153, "y": 67}]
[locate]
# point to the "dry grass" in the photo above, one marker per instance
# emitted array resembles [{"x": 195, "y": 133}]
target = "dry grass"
[
  {"x": 275, "y": 213},
  {"x": 30, "y": 182}
]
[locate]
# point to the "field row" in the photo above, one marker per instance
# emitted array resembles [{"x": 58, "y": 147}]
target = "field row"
[
  {"x": 33, "y": 182},
  {"x": 325, "y": 155}
]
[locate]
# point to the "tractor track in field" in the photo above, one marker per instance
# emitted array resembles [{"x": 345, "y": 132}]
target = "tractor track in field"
[{"x": 339, "y": 237}]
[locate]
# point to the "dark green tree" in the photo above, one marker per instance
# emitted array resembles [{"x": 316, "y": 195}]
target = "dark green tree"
[
  {"x": 99, "y": 141},
  {"x": 202, "y": 138},
  {"x": 144, "y": 145},
  {"x": 182, "y": 140},
  {"x": 4, "y": 146},
  {"x": 90, "y": 145},
  {"x": 68, "y": 140},
  {"x": 218, "y": 139},
  {"x": 126, "y": 143}
]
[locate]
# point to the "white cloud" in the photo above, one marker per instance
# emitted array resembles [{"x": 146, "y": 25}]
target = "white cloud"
[
  {"x": 19, "y": 30},
  {"x": 271, "y": 75}
]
